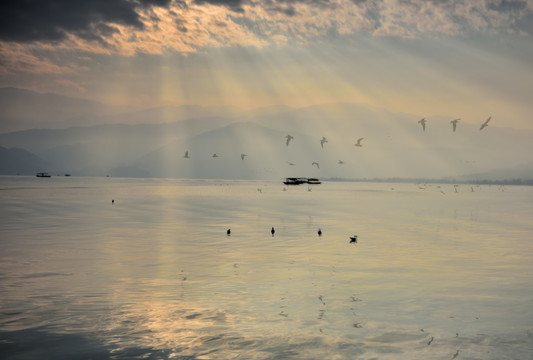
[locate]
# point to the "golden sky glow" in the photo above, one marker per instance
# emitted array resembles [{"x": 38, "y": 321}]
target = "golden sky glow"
[{"x": 439, "y": 58}]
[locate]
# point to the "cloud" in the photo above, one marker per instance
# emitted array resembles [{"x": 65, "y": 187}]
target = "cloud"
[
  {"x": 130, "y": 27},
  {"x": 54, "y": 20}
]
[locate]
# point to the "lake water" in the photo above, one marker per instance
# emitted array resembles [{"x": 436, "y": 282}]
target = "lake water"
[{"x": 436, "y": 273}]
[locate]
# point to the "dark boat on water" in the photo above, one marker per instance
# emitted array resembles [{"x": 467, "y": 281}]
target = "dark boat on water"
[
  {"x": 299, "y": 181},
  {"x": 43, "y": 175},
  {"x": 295, "y": 181}
]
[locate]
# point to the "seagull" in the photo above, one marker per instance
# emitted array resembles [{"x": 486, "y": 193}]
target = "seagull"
[
  {"x": 315, "y": 163},
  {"x": 215, "y": 155},
  {"x": 485, "y": 124},
  {"x": 243, "y": 156},
  {"x": 272, "y": 231},
  {"x": 353, "y": 239},
  {"x": 341, "y": 162},
  {"x": 319, "y": 232},
  {"x": 454, "y": 123},
  {"x": 322, "y": 141},
  {"x": 228, "y": 232},
  {"x": 359, "y": 142},
  {"x": 289, "y": 138},
  {"x": 186, "y": 155},
  {"x": 423, "y": 123},
  {"x": 291, "y": 164}
]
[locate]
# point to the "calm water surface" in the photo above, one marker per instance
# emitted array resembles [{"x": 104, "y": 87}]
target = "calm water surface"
[{"x": 436, "y": 273}]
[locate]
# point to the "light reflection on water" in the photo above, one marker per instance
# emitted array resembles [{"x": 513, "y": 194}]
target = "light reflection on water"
[{"x": 154, "y": 274}]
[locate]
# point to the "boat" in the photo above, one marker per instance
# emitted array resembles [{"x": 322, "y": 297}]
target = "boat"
[
  {"x": 295, "y": 181},
  {"x": 43, "y": 174},
  {"x": 299, "y": 181}
]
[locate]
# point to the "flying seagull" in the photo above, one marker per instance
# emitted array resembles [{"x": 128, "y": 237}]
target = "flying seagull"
[
  {"x": 341, "y": 162},
  {"x": 322, "y": 141},
  {"x": 272, "y": 231},
  {"x": 359, "y": 142},
  {"x": 289, "y": 138},
  {"x": 454, "y": 123},
  {"x": 319, "y": 232},
  {"x": 186, "y": 155},
  {"x": 215, "y": 155},
  {"x": 315, "y": 163},
  {"x": 291, "y": 164},
  {"x": 353, "y": 239},
  {"x": 485, "y": 124},
  {"x": 423, "y": 123},
  {"x": 243, "y": 156}
]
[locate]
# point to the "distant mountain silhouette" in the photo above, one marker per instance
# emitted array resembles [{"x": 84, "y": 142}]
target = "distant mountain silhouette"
[
  {"x": 21, "y": 162},
  {"x": 394, "y": 146},
  {"x": 25, "y": 109}
]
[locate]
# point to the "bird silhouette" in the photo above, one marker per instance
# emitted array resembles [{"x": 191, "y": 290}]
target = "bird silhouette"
[
  {"x": 289, "y": 138},
  {"x": 291, "y": 164},
  {"x": 315, "y": 163},
  {"x": 322, "y": 141},
  {"x": 186, "y": 155},
  {"x": 485, "y": 124},
  {"x": 319, "y": 232},
  {"x": 353, "y": 239},
  {"x": 228, "y": 232},
  {"x": 423, "y": 123},
  {"x": 272, "y": 231},
  {"x": 243, "y": 156},
  {"x": 454, "y": 123},
  {"x": 215, "y": 155},
  {"x": 341, "y": 162},
  {"x": 358, "y": 143}
]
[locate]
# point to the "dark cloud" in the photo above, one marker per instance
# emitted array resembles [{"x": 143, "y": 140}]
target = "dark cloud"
[
  {"x": 282, "y": 6},
  {"x": 52, "y": 20},
  {"x": 234, "y": 5},
  {"x": 508, "y": 6}
]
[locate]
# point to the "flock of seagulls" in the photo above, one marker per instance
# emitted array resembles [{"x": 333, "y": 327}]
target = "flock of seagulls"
[
  {"x": 454, "y": 122},
  {"x": 288, "y": 138},
  {"x": 358, "y": 143}
]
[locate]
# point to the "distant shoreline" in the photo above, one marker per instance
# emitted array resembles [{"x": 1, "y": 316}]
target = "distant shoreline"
[
  {"x": 527, "y": 182},
  {"x": 517, "y": 182}
]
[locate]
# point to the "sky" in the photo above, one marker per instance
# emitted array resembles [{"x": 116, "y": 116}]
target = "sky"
[{"x": 466, "y": 59}]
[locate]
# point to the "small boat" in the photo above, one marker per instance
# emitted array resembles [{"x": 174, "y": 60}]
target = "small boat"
[
  {"x": 313, "y": 181},
  {"x": 295, "y": 181},
  {"x": 43, "y": 175}
]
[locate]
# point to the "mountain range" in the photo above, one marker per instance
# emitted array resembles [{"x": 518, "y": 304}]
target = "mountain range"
[{"x": 153, "y": 142}]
